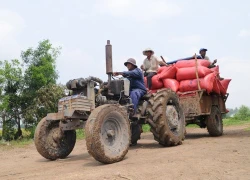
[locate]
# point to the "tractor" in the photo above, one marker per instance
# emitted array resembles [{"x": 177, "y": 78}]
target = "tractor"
[{"x": 104, "y": 110}]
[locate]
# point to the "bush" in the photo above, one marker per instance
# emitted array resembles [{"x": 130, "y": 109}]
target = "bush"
[{"x": 243, "y": 113}]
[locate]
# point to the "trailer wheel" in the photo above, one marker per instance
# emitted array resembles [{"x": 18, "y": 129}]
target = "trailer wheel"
[
  {"x": 108, "y": 133},
  {"x": 51, "y": 142},
  {"x": 214, "y": 122},
  {"x": 167, "y": 118}
]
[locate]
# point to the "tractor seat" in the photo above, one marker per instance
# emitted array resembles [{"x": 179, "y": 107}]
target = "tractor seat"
[{"x": 146, "y": 97}]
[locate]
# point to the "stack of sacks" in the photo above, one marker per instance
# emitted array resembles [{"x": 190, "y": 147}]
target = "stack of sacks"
[
  {"x": 182, "y": 77},
  {"x": 165, "y": 78}
]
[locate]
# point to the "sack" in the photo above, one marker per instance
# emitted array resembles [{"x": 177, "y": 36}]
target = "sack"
[
  {"x": 167, "y": 72},
  {"x": 191, "y": 63},
  {"x": 171, "y": 84},
  {"x": 215, "y": 69},
  {"x": 223, "y": 84},
  {"x": 156, "y": 82},
  {"x": 192, "y": 85},
  {"x": 216, "y": 87},
  {"x": 190, "y": 73}
]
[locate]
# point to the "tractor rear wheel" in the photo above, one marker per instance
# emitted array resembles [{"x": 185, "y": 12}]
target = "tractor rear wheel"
[
  {"x": 167, "y": 117},
  {"x": 108, "y": 133},
  {"x": 51, "y": 142},
  {"x": 214, "y": 122}
]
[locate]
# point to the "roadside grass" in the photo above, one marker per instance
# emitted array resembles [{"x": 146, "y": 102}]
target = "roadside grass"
[{"x": 232, "y": 121}]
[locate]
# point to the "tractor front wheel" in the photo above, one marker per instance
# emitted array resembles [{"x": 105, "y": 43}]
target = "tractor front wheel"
[{"x": 53, "y": 143}]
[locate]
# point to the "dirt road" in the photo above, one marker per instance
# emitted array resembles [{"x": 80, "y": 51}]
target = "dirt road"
[{"x": 200, "y": 157}]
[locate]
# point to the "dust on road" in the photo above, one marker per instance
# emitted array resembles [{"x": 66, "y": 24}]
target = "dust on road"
[{"x": 199, "y": 157}]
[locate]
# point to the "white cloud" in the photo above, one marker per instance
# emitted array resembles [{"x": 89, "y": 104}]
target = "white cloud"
[
  {"x": 244, "y": 33},
  {"x": 190, "y": 39},
  {"x": 11, "y": 25},
  {"x": 140, "y": 10}
]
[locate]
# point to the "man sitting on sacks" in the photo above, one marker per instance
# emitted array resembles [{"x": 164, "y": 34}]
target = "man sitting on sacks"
[
  {"x": 202, "y": 55},
  {"x": 150, "y": 65}
]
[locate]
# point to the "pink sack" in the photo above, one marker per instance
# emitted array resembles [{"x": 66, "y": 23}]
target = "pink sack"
[
  {"x": 191, "y": 63},
  {"x": 224, "y": 85},
  {"x": 190, "y": 73},
  {"x": 192, "y": 85},
  {"x": 156, "y": 82},
  {"x": 215, "y": 69},
  {"x": 171, "y": 84},
  {"x": 216, "y": 87},
  {"x": 167, "y": 72}
]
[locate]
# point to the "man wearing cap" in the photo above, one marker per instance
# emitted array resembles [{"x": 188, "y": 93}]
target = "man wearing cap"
[
  {"x": 137, "y": 90},
  {"x": 202, "y": 55},
  {"x": 135, "y": 76},
  {"x": 150, "y": 65}
]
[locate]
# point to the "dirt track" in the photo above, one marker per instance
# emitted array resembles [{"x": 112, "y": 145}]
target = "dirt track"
[{"x": 200, "y": 157}]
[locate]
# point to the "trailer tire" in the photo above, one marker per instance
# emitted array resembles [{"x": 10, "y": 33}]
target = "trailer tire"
[{"x": 214, "y": 122}]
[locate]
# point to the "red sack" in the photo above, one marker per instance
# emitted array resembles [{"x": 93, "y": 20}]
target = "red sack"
[
  {"x": 167, "y": 72},
  {"x": 215, "y": 69},
  {"x": 192, "y": 85},
  {"x": 224, "y": 85},
  {"x": 191, "y": 63},
  {"x": 171, "y": 84},
  {"x": 190, "y": 73},
  {"x": 216, "y": 87},
  {"x": 156, "y": 82}
]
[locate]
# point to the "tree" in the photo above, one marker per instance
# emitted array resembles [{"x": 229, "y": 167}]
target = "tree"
[
  {"x": 40, "y": 72},
  {"x": 11, "y": 79},
  {"x": 243, "y": 113}
]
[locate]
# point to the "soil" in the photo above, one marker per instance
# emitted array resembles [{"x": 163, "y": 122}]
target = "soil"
[{"x": 199, "y": 157}]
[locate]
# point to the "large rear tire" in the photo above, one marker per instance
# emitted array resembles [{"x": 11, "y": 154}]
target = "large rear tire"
[
  {"x": 214, "y": 122},
  {"x": 167, "y": 117},
  {"x": 51, "y": 142},
  {"x": 108, "y": 133}
]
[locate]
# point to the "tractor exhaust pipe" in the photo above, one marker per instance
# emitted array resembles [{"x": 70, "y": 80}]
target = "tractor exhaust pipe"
[{"x": 109, "y": 66}]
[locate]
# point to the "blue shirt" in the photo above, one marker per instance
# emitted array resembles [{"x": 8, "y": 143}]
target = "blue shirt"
[{"x": 135, "y": 77}]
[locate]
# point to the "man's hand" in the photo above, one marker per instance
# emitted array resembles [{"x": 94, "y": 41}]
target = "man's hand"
[
  {"x": 142, "y": 67},
  {"x": 116, "y": 73},
  {"x": 215, "y": 61}
]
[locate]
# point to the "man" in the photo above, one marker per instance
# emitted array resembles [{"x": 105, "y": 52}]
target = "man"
[
  {"x": 202, "y": 55},
  {"x": 137, "y": 90},
  {"x": 135, "y": 76},
  {"x": 150, "y": 65}
]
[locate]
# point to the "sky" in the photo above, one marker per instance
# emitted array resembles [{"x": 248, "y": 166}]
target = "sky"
[{"x": 172, "y": 28}]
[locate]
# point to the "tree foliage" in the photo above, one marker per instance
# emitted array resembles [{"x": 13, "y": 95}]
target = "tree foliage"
[
  {"x": 243, "y": 113},
  {"x": 40, "y": 72}
]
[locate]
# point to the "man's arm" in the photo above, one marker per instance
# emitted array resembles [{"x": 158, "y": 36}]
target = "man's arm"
[{"x": 136, "y": 73}]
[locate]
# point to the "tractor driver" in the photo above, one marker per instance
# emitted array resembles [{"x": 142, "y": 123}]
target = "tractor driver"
[{"x": 135, "y": 76}]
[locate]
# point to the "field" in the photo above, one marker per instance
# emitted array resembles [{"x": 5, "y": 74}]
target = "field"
[{"x": 199, "y": 157}]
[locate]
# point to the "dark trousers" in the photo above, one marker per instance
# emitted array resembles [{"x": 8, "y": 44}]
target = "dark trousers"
[
  {"x": 135, "y": 96},
  {"x": 149, "y": 78}
]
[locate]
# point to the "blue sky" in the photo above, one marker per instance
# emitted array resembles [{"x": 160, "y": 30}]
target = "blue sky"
[{"x": 174, "y": 29}]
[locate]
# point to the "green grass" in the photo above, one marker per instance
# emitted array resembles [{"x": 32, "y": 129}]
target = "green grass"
[
  {"x": 80, "y": 134},
  {"x": 193, "y": 126},
  {"x": 247, "y": 129},
  {"x": 232, "y": 122},
  {"x": 145, "y": 128}
]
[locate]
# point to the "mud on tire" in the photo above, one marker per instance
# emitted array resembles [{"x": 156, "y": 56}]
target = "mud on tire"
[
  {"x": 214, "y": 122},
  {"x": 168, "y": 118},
  {"x": 51, "y": 143},
  {"x": 108, "y": 133}
]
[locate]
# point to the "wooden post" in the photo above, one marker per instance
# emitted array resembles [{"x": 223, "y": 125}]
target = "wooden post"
[{"x": 196, "y": 71}]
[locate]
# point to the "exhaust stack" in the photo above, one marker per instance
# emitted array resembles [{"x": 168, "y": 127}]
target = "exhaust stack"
[{"x": 109, "y": 66}]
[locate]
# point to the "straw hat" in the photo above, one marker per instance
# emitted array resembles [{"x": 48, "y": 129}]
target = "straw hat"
[{"x": 146, "y": 50}]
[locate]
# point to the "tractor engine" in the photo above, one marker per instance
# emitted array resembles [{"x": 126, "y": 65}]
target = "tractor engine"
[{"x": 111, "y": 92}]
